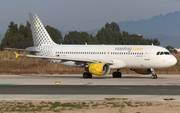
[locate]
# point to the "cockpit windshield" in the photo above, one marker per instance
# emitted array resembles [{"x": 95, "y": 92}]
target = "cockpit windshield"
[
  {"x": 163, "y": 53},
  {"x": 166, "y": 53}
]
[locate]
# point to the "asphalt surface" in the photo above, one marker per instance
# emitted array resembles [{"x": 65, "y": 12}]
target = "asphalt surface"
[
  {"x": 90, "y": 90},
  {"x": 76, "y": 79}
]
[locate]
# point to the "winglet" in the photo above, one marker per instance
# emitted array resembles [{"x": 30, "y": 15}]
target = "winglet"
[{"x": 16, "y": 54}]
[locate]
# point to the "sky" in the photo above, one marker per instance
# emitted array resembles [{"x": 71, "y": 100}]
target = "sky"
[{"x": 82, "y": 15}]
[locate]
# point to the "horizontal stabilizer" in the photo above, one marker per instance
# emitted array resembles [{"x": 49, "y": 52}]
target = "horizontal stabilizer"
[
  {"x": 16, "y": 54},
  {"x": 29, "y": 51}
]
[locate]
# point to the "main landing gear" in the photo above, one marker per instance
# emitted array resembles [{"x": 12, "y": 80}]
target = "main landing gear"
[
  {"x": 87, "y": 75},
  {"x": 117, "y": 74},
  {"x": 154, "y": 76}
]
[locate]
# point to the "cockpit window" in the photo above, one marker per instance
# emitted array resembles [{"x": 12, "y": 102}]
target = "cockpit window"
[
  {"x": 163, "y": 53},
  {"x": 166, "y": 53}
]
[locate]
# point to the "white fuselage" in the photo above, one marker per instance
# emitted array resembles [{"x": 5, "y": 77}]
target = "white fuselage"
[{"x": 123, "y": 56}]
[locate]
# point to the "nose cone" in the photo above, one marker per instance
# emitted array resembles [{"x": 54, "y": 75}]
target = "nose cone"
[{"x": 173, "y": 61}]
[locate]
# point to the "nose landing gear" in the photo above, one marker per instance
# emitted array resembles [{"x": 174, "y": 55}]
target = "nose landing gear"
[{"x": 154, "y": 76}]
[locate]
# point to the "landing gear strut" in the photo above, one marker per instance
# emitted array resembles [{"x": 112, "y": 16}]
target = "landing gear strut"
[
  {"x": 117, "y": 74},
  {"x": 154, "y": 76},
  {"x": 87, "y": 75}
]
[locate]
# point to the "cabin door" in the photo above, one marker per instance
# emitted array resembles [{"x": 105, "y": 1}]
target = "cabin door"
[{"x": 147, "y": 54}]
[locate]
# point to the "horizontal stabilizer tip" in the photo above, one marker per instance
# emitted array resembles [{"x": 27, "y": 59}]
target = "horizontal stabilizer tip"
[{"x": 16, "y": 54}]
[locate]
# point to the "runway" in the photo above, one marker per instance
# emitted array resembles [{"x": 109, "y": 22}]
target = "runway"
[
  {"x": 89, "y": 90},
  {"x": 74, "y": 87},
  {"x": 74, "y": 79}
]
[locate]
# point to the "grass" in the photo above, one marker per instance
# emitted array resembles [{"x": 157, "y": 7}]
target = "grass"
[
  {"x": 148, "y": 104},
  {"x": 57, "y": 106},
  {"x": 23, "y": 65}
]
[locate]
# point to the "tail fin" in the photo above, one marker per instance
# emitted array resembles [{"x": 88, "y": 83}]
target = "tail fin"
[{"x": 39, "y": 33}]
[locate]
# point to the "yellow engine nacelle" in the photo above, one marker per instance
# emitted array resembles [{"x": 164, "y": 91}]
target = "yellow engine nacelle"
[
  {"x": 99, "y": 68},
  {"x": 143, "y": 71}
]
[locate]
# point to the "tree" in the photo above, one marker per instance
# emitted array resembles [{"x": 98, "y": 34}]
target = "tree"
[
  {"x": 10, "y": 34},
  {"x": 153, "y": 41},
  {"x": 55, "y": 34},
  {"x": 22, "y": 37},
  {"x": 28, "y": 35},
  {"x": 125, "y": 37},
  {"x": 76, "y": 38},
  {"x": 12, "y": 28},
  {"x": 171, "y": 49},
  {"x": 110, "y": 34}
]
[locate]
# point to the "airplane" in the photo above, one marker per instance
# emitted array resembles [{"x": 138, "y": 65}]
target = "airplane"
[{"x": 97, "y": 59}]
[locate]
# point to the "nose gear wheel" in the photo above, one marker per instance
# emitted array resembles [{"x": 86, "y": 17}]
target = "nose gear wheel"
[{"x": 154, "y": 76}]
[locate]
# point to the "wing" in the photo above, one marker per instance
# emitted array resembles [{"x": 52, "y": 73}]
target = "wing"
[{"x": 66, "y": 58}]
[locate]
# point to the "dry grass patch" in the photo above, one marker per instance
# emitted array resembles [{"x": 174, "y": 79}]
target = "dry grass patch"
[{"x": 132, "y": 106}]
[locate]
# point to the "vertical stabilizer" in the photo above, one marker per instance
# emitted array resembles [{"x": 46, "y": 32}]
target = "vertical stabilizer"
[{"x": 39, "y": 33}]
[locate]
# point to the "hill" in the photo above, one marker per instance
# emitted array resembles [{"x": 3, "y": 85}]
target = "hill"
[
  {"x": 168, "y": 24},
  {"x": 165, "y": 39}
]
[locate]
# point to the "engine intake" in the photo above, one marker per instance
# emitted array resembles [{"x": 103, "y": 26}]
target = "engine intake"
[
  {"x": 143, "y": 71},
  {"x": 99, "y": 68}
]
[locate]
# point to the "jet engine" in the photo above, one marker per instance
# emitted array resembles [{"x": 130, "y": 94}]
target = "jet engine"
[
  {"x": 99, "y": 69},
  {"x": 143, "y": 71}
]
